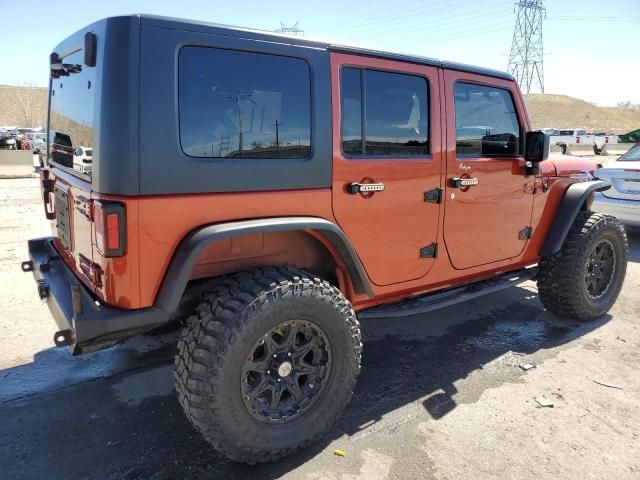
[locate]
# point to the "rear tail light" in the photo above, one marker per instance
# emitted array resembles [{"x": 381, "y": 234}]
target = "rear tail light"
[
  {"x": 577, "y": 139},
  {"x": 111, "y": 228},
  {"x": 606, "y": 139}
]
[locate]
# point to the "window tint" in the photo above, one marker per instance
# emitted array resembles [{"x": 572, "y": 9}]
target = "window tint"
[
  {"x": 243, "y": 105},
  {"x": 486, "y": 121},
  {"x": 395, "y": 112}
]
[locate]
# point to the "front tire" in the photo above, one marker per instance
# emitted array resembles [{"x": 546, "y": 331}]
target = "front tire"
[
  {"x": 267, "y": 362},
  {"x": 582, "y": 281}
]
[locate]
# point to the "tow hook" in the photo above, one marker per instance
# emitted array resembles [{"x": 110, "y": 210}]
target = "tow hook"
[
  {"x": 63, "y": 338},
  {"x": 43, "y": 290},
  {"x": 27, "y": 266}
]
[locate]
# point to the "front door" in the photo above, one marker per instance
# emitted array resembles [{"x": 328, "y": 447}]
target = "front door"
[
  {"x": 489, "y": 201},
  {"x": 386, "y": 156}
]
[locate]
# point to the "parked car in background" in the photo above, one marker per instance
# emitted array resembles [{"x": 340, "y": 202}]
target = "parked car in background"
[
  {"x": 574, "y": 136},
  {"x": 39, "y": 142},
  {"x": 20, "y": 132},
  {"x": 602, "y": 139},
  {"x": 7, "y": 142},
  {"x": 623, "y": 198},
  {"x": 82, "y": 159}
]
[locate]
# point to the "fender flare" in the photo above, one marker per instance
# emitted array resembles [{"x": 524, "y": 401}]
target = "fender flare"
[
  {"x": 191, "y": 247},
  {"x": 577, "y": 195}
]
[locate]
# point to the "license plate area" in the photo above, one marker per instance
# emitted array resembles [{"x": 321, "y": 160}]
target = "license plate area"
[{"x": 63, "y": 222}]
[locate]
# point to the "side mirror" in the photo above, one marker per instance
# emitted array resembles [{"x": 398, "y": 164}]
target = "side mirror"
[{"x": 536, "y": 151}]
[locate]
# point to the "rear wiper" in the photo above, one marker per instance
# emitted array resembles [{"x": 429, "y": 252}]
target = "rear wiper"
[{"x": 59, "y": 69}]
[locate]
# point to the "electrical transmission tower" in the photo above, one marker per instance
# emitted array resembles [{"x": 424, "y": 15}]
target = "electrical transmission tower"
[
  {"x": 526, "y": 57},
  {"x": 293, "y": 30}
]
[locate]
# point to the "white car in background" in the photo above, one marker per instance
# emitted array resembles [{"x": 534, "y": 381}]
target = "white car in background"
[
  {"x": 622, "y": 200},
  {"x": 82, "y": 159}
]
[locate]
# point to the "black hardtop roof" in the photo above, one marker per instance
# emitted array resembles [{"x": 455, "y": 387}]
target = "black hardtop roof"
[{"x": 232, "y": 31}]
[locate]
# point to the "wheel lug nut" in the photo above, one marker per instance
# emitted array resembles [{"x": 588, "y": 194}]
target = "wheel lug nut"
[
  {"x": 268, "y": 372},
  {"x": 311, "y": 385},
  {"x": 289, "y": 354},
  {"x": 274, "y": 355}
]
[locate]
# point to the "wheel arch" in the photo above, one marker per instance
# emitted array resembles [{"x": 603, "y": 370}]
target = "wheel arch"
[
  {"x": 577, "y": 197},
  {"x": 193, "y": 246}
]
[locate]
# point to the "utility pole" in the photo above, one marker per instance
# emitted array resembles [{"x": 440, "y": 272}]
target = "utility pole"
[
  {"x": 526, "y": 57},
  {"x": 293, "y": 30}
]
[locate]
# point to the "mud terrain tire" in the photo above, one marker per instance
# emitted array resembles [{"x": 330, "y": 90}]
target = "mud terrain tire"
[
  {"x": 237, "y": 316},
  {"x": 566, "y": 280}
]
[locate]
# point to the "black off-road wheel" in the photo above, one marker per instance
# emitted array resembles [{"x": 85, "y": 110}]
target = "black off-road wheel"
[
  {"x": 267, "y": 362},
  {"x": 582, "y": 281}
]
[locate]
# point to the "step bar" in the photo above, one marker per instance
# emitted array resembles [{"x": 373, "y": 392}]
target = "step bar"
[{"x": 445, "y": 298}]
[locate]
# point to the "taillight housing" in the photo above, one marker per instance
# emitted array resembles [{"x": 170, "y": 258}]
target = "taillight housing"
[
  {"x": 577, "y": 139},
  {"x": 110, "y": 225}
]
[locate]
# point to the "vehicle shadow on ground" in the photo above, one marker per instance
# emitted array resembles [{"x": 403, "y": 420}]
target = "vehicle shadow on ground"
[
  {"x": 633, "y": 233},
  {"x": 130, "y": 426}
]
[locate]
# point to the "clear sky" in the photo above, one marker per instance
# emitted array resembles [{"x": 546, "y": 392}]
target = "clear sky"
[{"x": 591, "y": 47}]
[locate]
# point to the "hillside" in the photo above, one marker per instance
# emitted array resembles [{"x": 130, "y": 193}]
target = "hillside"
[
  {"x": 26, "y": 106},
  {"x": 23, "y": 106},
  {"x": 561, "y": 111}
]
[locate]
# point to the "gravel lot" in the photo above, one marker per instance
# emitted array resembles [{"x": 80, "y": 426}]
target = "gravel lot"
[{"x": 440, "y": 396}]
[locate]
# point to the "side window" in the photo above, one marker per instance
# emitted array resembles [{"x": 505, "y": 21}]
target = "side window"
[
  {"x": 384, "y": 113},
  {"x": 243, "y": 104},
  {"x": 486, "y": 121}
]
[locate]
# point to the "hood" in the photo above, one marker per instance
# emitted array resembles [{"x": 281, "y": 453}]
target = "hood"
[{"x": 566, "y": 165}]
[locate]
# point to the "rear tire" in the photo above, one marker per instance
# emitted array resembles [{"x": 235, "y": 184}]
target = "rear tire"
[
  {"x": 280, "y": 320},
  {"x": 582, "y": 281}
]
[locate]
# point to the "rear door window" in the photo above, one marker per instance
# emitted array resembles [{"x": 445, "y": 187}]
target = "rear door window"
[
  {"x": 384, "y": 113},
  {"x": 235, "y": 104},
  {"x": 486, "y": 121}
]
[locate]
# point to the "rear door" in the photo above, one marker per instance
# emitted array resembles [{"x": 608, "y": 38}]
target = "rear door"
[
  {"x": 386, "y": 156},
  {"x": 71, "y": 119},
  {"x": 488, "y": 199}
]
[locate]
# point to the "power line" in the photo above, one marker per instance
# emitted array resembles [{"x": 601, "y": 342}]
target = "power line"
[
  {"x": 435, "y": 16},
  {"x": 526, "y": 57}
]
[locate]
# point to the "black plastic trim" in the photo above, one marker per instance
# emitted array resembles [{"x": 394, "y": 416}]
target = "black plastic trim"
[
  {"x": 447, "y": 297},
  {"x": 89, "y": 325},
  {"x": 575, "y": 197},
  {"x": 194, "y": 244}
]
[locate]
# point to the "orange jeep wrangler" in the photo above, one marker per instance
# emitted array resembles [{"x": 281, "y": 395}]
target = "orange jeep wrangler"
[{"x": 268, "y": 192}]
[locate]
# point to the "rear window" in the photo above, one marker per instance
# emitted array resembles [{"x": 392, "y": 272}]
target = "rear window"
[
  {"x": 71, "y": 112},
  {"x": 486, "y": 121},
  {"x": 235, "y": 104}
]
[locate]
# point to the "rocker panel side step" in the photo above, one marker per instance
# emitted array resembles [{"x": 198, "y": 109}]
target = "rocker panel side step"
[{"x": 445, "y": 298}]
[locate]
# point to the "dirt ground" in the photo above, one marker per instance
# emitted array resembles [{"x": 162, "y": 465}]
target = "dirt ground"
[{"x": 440, "y": 396}]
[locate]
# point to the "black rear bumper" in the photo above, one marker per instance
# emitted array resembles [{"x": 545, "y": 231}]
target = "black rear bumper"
[{"x": 84, "y": 323}]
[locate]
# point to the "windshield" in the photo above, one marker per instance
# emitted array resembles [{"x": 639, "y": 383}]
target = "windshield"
[
  {"x": 632, "y": 155},
  {"x": 71, "y": 113}
]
